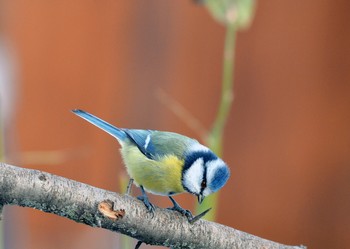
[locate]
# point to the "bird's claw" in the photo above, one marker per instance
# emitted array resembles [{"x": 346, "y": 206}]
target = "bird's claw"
[
  {"x": 191, "y": 219},
  {"x": 150, "y": 207},
  {"x": 182, "y": 211},
  {"x": 186, "y": 212}
]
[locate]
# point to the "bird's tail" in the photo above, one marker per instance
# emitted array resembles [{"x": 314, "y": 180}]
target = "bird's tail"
[{"x": 119, "y": 134}]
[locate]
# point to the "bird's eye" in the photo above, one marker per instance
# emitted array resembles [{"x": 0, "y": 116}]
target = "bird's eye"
[{"x": 204, "y": 184}]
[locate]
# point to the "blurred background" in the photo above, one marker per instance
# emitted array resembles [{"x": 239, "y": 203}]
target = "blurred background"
[{"x": 287, "y": 139}]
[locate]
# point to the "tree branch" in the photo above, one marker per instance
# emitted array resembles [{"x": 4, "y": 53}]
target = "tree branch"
[{"x": 80, "y": 202}]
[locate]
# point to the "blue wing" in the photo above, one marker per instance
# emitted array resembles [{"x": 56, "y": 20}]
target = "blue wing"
[
  {"x": 142, "y": 139},
  {"x": 156, "y": 144}
]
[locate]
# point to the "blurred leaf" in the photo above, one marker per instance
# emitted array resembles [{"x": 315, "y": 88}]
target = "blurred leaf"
[{"x": 237, "y": 12}]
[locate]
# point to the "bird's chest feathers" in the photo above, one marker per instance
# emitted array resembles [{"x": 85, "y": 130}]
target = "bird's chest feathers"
[{"x": 162, "y": 176}]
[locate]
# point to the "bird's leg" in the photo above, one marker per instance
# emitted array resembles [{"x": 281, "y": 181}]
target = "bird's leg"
[
  {"x": 128, "y": 189},
  {"x": 186, "y": 212},
  {"x": 144, "y": 199},
  {"x": 179, "y": 209}
]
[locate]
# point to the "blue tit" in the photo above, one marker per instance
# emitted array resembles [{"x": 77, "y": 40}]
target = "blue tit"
[{"x": 166, "y": 163}]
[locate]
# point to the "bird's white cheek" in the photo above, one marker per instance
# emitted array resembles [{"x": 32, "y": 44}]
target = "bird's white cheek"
[{"x": 193, "y": 176}]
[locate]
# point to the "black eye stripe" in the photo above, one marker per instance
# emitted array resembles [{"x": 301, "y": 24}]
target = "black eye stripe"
[{"x": 204, "y": 179}]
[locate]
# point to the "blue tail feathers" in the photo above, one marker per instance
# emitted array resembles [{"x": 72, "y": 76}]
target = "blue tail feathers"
[{"x": 110, "y": 129}]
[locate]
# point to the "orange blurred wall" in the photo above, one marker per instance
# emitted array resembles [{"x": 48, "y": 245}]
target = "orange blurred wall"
[{"x": 287, "y": 140}]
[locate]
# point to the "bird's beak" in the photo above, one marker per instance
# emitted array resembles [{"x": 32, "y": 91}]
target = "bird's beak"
[{"x": 200, "y": 198}]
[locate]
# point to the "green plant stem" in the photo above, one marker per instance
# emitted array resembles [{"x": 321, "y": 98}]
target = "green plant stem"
[
  {"x": 126, "y": 242},
  {"x": 215, "y": 137}
]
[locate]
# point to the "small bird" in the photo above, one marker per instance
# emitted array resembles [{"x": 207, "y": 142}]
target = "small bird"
[{"x": 166, "y": 163}]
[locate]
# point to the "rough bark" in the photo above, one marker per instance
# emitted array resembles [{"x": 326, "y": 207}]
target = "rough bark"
[{"x": 79, "y": 202}]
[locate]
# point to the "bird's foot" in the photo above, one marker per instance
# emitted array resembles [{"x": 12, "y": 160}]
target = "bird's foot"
[
  {"x": 150, "y": 207},
  {"x": 191, "y": 219},
  {"x": 179, "y": 209}
]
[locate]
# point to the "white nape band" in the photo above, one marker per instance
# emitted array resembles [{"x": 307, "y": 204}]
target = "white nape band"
[{"x": 197, "y": 147}]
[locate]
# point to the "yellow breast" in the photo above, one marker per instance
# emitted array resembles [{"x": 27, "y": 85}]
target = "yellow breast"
[{"x": 162, "y": 177}]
